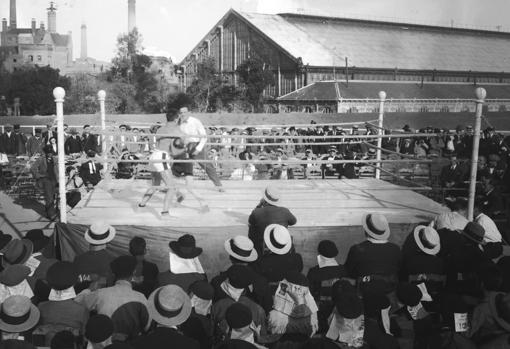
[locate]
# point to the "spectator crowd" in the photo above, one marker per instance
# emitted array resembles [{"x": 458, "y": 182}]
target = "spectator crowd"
[{"x": 446, "y": 286}]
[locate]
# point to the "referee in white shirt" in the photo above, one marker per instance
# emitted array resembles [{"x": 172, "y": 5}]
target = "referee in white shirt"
[{"x": 196, "y": 143}]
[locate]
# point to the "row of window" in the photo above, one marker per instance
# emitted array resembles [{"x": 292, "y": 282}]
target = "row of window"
[{"x": 30, "y": 58}]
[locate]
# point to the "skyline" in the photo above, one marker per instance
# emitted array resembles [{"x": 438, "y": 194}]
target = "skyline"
[{"x": 158, "y": 20}]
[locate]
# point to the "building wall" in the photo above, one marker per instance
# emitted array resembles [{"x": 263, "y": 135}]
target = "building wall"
[{"x": 235, "y": 42}]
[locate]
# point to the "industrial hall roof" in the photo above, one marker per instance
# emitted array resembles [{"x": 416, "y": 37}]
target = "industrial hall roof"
[
  {"x": 337, "y": 90},
  {"x": 328, "y": 41}
]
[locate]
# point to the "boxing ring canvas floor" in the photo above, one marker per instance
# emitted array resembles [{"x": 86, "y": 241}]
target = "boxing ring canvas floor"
[{"x": 325, "y": 209}]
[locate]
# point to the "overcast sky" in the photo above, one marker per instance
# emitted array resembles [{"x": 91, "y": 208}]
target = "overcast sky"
[{"x": 173, "y": 27}]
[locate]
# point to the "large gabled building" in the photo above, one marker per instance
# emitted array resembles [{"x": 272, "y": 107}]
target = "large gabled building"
[{"x": 303, "y": 49}]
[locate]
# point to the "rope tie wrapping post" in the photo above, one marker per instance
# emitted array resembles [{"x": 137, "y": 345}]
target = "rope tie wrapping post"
[
  {"x": 480, "y": 100},
  {"x": 380, "y": 132},
  {"x": 59, "y": 93},
  {"x": 101, "y": 96}
]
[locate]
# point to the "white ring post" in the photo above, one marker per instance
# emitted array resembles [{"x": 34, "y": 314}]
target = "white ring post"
[
  {"x": 59, "y": 93},
  {"x": 480, "y": 100},
  {"x": 382, "y": 98},
  {"x": 101, "y": 96}
]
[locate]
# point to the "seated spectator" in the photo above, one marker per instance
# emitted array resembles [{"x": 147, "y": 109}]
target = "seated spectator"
[
  {"x": 199, "y": 325},
  {"x": 13, "y": 281},
  {"x": 492, "y": 233},
  {"x": 61, "y": 312},
  {"x": 407, "y": 146},
  {"x": 240, "y": 325},
  {"x": 331, "y": 169},
  {"x": 490, "y": 324},
  {"x": 99, "y": 331},
  {"x": 294, "y": 314},
  {"x": 421, "y": 263},
  {"x": 90, "y": 171},
  {"x": 94, "y": 265},
  {"x": 376, "y": 259},
  {"x": 169, "y": 306},
  {"x": 279, "y": 258},
  {"x": 242, "y": 252},
  {"x": 493, "y": 202},
  {"x": 232, "y": 289},
  {"x": 63, "y": 340},
  {"x": 146, "y": 273},
  {"x": 346, "y": 327},
  {"x": 185, "y": 267},
  {"x": 376, "y": 308},
  {"x": 426, "y": 335},
  {"x": 38, "y": 263},
  {"x": 127, "y": 308},
  {"x": 452, "y": 176},
  {"x": 17, "y": 316},
  {"x": 268, "y": 211},
  {"x": 308, "y": 168},
  {"x": 454, "y": 220},
  {"x": 322, "y": 277}
]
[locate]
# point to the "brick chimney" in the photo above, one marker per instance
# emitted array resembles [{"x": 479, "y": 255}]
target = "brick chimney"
[
  {"x": 4, "y": 24},
  {"x": 83, "y": 52},
  {"x": 131, "y": 15},
  {"x": 12, "y": 15},
  {"x": 34, "y": 24}
]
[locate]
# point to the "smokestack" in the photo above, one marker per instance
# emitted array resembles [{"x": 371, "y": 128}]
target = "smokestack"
[
  {"x": 83, "y": 52},
  {"x": 12, "y": 15},
  {"x": 34, "y": 24},
  {"x": 4, "y": 24},
  {"x": 131, "y": 15},
  {"x": 42, "y": 26},
  {"x": 52, "y": 18}
]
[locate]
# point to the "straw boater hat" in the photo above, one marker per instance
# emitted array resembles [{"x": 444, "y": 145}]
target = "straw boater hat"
[
  {"x": 99, "y": 233},
  {"x": 427, "y": 239},
  {"x": 241, "y": 248},
  {"x": 376, "y": 226},
  {"x": 18, "y": 314},
  {"x": 17, "y": 252},
  {"x": 169, "y": 305},
  {"x": 272, "y": 196},
  {"x": 277, "y": 238}
]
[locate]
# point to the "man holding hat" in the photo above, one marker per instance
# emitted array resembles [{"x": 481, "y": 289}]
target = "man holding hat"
[
  {"x": 268, "y": 211},
  {"x": 94, "y": 265},
  {"x": 17, "y": 315},
  {"x": 35, "y": 143},
  {"x": 376, "y": 259},
  {"x": 61, "y": 311},
  {"x": 126, "y": 307},
  {"x": 185, "y": 267},
  {"x": 169, "y": 306}
]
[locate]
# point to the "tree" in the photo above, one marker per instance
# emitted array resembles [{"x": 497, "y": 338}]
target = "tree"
[
  {"x": 34, "y": 86},
  {"x": 255, "y": 77},
  {"x": 210, "y": 90},
  {"x": 131, "y": 67}
]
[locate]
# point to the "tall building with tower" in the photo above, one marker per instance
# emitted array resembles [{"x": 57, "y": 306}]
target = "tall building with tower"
[{"x": 35, "y": 45}]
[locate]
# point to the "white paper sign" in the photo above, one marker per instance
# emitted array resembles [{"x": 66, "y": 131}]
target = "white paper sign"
[
  {"x": 33, "y": 264},
  {"x": 461, "y": 322}
]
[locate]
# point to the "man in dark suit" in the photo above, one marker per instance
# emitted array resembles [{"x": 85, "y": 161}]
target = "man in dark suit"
[
  {"x": 45, "y": 172},
  {"x": 49, "y": 133},
  {"x": 146, "y": 273},
  {"x": 90, "y": 171},
  {"x": 8, "y": 141},
  {"x": 88, "y": 140},
  {"x": 452, "y": 176},
  {"x": 267, "y": 212},
  {"x": 73, "y": 144},
  {"x": 20, "y": 141}
]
